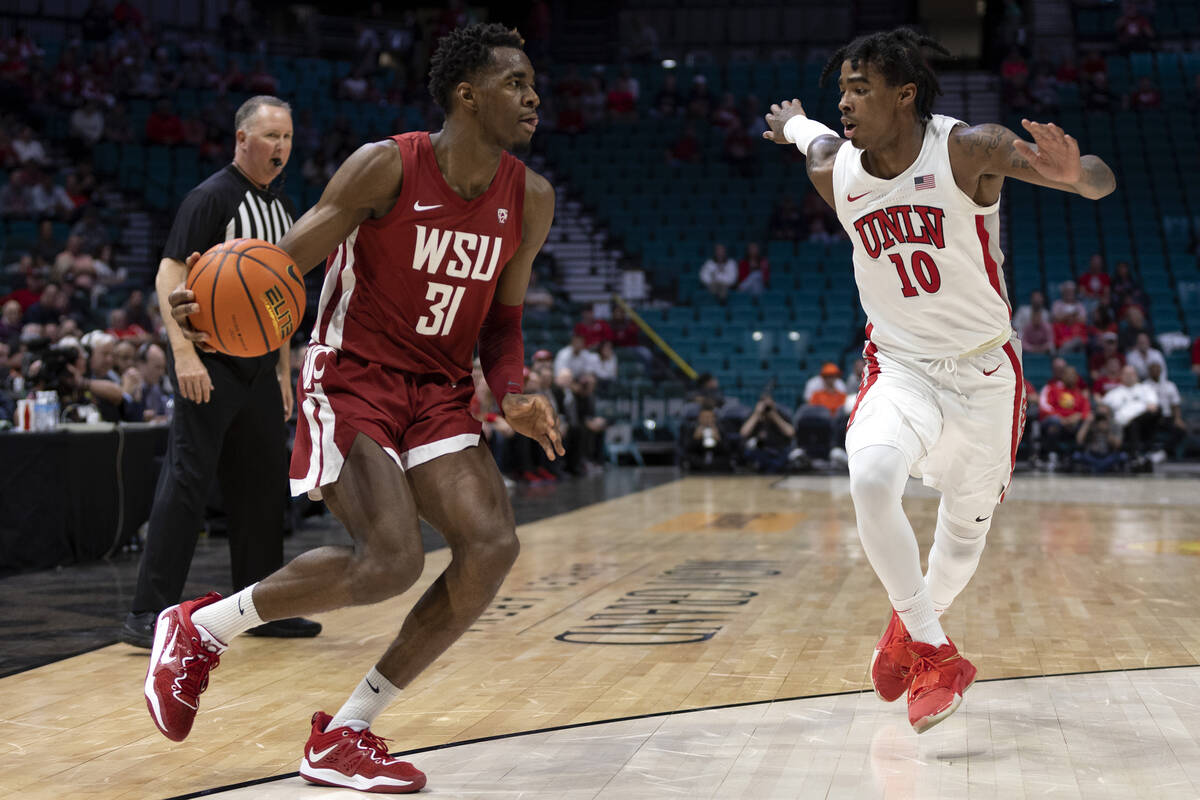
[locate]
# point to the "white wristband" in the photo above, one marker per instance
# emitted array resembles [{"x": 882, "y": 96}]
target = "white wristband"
[{"x": 801, "y": 131}]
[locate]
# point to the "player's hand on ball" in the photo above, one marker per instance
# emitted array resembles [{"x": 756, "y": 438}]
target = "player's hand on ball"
[
  {"x": 778, "y": 116},
  {"x": 533, "y": 416},
  {"x": 183, "y": 304}
]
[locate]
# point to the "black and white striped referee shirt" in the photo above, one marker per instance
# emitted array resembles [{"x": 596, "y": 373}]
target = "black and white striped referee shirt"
[{"x": 227, "y": 206}]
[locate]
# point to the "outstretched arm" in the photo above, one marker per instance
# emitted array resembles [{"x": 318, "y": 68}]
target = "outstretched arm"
[
  {"x": 820, "y": 151},
  {"x": 983, "y": 155}
]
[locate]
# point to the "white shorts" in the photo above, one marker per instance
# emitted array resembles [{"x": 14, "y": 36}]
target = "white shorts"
[{"x": 957, "y": 421}]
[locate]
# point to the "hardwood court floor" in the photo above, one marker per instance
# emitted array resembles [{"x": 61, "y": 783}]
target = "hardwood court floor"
[{"x": 700, "y": 593}]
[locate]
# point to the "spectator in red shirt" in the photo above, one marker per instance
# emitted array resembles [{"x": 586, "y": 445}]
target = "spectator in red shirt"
[
  {"x": 31, "y": 292},
  {"x": 164, "y": 126},
  {"x": 594, "y": 331},
  {"x": 120, "y": 327},
  {"x": 1093, "y": 63},
  {"x": 686, "y": 149},
  {"x": 1196, "y": 359},
  {"x": 1064, "y": 406},
  {"x": 1070, "y": 333},
  {"x": 1095, "y": 280},
  {"x": 1134, "y": 31},
  {"x": 1067, "y": 72},
  {"x": 620, "y": 101},
  {"x": 1108, "y": 349},
  {"x": 1106, "y": 377},
  {"x": 624, "y": 330},
  {"x": 754, "y": 271}
]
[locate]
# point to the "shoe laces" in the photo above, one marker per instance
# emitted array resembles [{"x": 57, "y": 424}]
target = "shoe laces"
[
  {"x": 196, "y": 667},
  {"x": 926, "y": 672},
  {"x": 375, "y": 743}
]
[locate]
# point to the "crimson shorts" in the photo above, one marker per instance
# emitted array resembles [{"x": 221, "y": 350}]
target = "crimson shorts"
[{"x": 413, "y": 418}]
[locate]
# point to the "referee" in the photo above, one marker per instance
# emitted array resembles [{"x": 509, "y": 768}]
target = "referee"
[{"x": 229, "y": 424}]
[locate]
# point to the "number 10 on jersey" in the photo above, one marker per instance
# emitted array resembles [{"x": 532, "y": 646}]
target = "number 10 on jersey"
[
  {"x": 439, "y": 320},
  {"x": 923, "y": 269}
]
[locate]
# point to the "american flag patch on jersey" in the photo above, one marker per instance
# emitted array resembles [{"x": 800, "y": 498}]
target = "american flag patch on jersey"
[{"x": 924, "y": 182}]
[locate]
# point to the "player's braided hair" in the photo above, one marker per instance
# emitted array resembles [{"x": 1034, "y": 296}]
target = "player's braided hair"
[
  {"x": 462, "y": 52},
  {"x": 898, "y": 56}
]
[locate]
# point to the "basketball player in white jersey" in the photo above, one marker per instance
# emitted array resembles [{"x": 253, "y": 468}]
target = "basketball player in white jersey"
[{"x": 942, "y": 396}]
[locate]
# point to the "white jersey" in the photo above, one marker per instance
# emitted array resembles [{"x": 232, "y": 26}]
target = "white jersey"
[{"x": 926, "y": 257}]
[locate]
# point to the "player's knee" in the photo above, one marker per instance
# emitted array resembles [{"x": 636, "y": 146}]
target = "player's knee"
[
  {"x": 382, "y": 575},
  {"x": 498, "y": 550},
  {"x": 877, "y": 481}
]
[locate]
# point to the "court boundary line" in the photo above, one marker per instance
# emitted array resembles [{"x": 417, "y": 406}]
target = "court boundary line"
[{"x": 653, "y": 714}]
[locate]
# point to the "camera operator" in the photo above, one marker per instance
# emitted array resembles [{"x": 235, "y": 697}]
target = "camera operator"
[
  {"x": 707, "y": 450},
  {"x": 767, "y": 436}
]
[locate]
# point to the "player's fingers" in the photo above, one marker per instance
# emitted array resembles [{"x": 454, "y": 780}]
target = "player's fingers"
[
  {"x": 1024, "y": 150},
  {"x": 192, "y": 259}
]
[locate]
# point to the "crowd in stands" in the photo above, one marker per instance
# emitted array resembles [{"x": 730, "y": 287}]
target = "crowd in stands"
[{"x": 74, "y": 320}]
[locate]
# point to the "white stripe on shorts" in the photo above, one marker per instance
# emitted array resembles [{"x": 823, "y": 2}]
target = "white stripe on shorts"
[{"x": 427, "y": 452}]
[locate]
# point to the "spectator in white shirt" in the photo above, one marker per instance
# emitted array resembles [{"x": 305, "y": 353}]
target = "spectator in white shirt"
[
  {"x": 50, "y": 199},
  {"x": 1037, "y": 300},
  {"x": 719, "y": 274},
  {"x": 1170, "y": 421},
  {"x": 577, "y": 358},
  {"x": 28, "y": 149},
  {"x": 1143, "y": 355},
  {"x": 1135, "y": 409},
  {"x": 1067, "y": 306},
  {"x": 606, "y": 363},
  {"x": 87, "y": 123}
]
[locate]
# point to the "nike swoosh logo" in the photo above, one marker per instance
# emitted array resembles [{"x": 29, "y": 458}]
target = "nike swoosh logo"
[
  {"x": 859, "y": 197},
  {"x": 373, "y": 687},
  {"x": 418, "y": 207},
  {"x": 240, "y": 605},
  {"x": 314, "y": 755},
  {"x": 985, "y": 372},
  {"x": 983, "y": 519}
]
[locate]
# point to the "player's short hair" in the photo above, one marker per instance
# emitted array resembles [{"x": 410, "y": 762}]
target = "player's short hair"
[
  {"x": 462, "y": 52},
  {"x": 249, "y": 108},
  {"x": 898, "y": 56}
]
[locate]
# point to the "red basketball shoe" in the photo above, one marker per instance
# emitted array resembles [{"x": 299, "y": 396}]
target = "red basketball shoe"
[
  {"x": 182, "y": 657},
  {"x": 356, "y": 760},
  {"x": 891, "y": 661},
  {"x": 939, "y": 677}
]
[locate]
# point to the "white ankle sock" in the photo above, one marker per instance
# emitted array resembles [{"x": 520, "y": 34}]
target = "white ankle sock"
[
  {"x": 919, "y": 617},
  {"x": 227, "y": 618},
  {"x": 372, "y": 695}
]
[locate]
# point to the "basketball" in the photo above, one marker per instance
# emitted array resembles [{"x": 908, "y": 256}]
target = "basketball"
[{"x": 251, "y": 297}]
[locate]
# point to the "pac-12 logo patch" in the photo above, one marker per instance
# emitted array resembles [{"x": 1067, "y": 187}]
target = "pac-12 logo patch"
[{"x": 502, "y": 215}]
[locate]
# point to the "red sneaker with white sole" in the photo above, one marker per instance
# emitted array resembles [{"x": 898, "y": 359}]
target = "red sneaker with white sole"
[
  {"x": 355, "y": 760},
  {"x": 939, "y": 677},
  {"x": 892, "y": 661},
  {"x": 182, "y": 656}
]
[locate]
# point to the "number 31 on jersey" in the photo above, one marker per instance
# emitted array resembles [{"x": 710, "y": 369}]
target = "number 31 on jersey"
[{"x": 439, "y": 320}]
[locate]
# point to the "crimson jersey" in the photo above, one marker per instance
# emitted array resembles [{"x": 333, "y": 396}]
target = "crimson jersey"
[{"x": 410, "y": 290}]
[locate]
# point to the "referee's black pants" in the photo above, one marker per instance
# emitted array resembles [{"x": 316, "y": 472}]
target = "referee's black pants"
[{"x": 237, "y": 438}]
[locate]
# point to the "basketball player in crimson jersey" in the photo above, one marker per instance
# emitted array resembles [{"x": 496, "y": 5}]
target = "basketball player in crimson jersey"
[
  {"x": 432, "y": 238},
  {"x": 943, "y": 394}
]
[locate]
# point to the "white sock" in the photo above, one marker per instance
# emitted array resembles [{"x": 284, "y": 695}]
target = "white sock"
[
  {"x": 372, "y": 695},
  {"x": 227, "y": 618},
  {"x": 918, "y": 616},
  {"x": 957, "y": 546}
]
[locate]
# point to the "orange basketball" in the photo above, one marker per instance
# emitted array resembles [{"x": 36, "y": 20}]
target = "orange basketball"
[{"x": 251, "y": 297}]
